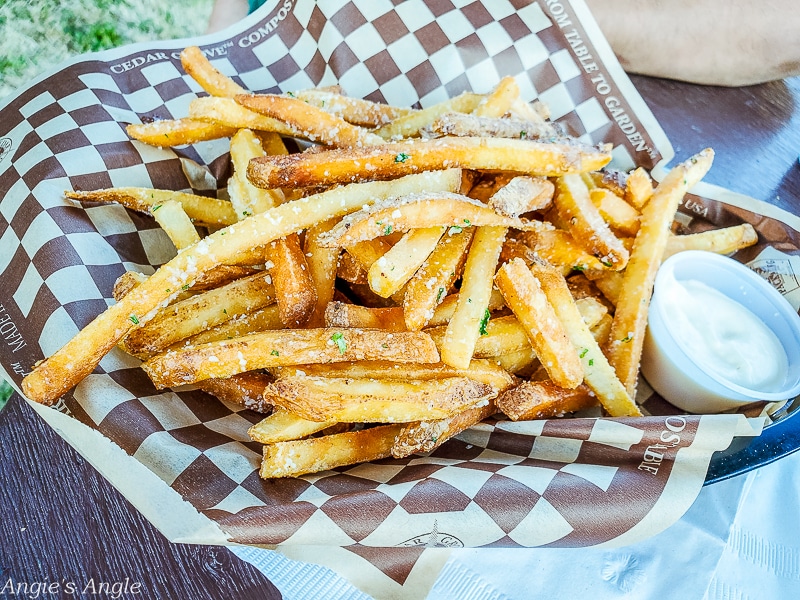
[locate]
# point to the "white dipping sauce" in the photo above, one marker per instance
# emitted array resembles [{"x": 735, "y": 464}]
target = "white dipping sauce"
[{"x": 724, "y": 337}]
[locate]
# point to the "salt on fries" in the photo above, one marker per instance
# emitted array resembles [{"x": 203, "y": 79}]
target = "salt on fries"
[{"x": 414, "y": 272}]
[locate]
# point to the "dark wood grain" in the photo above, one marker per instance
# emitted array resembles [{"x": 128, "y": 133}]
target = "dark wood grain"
[{"x": 61, "y": 521}]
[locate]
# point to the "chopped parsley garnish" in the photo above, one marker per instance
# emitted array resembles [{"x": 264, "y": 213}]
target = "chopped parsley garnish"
[
  {"x": 607, "y": 263},
  {"x": 185, "y": 287},
  {"x": 388, "y": 229},
  {"x": 454, "y": 229},
  {"x": 627, "y": 338},
  {"x": 523, "y": 135},
  {"x": 401, "y": 158},
  {"x": 246, "y": 213},
  {"x": 275, "y": 353},
  {"x": 467, "y": 223},
  {"x": 583, "y": 352},
  {"x": 439, "y": 295},
  {"x": 580, "y": 268},
  {"x": 484, "y": 322},
  {"x": 134, "y": 319},
  {"x": 338, "y": 339},
  {"x": 591, "y": 362},
  {"x": 156, "y": 207}
]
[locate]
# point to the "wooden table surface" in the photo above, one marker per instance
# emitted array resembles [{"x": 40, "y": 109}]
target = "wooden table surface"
[{"x": 62, "y": 522}]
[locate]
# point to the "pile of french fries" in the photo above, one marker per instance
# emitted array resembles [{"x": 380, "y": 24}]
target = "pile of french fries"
[{"x": 409, "y": 274}]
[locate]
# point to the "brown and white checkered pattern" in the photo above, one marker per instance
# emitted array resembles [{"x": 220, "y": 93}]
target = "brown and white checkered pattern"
[{"x": 508, "y": 484}]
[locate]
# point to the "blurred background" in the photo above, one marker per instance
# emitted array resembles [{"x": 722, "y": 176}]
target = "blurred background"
[{"x": 38, "y": 35}]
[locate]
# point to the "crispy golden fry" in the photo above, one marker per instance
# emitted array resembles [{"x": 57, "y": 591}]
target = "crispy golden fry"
[
  {"x": 469, "y": 319},
  {"x": 202, "y": 210},
  {"x": 462, "y": 125},
  {"x": 296, "y": 457},
  {"x": 434, "y": 279},
  {"x": 126, "y": 282},
  {"x": 504, "y": 335},
  {"x": 426, "y": 436},
  {"x": 609, "y": 284},
  {"x": 294, "y": 288},
  {"x": 245, "y": 197},
  {"x": 581, "y": 217},
  {"x": 203, "y": 72},
  {"x": 226, "y": 112},
  {"x": 559, "y": 248},
  {"x": 638, "y": 188},
  {"x": 348, "y": 400},
  {"x": 602, "y": 329},
  {"x": 176, "y": 224},
  {"x": 543, "y": 400},
  {"x": 483, "y": 371},
  {"x": 523, "y": 194},
  {"x": 309, "y": 122},
  {"x": 598, "y": 374},
  {"x": 192, "y": 315},
  {"x": 410, "y": 125},
  {"x": 166, "y": 133},
  {"x": 286, "y": 347},
  {"x": 245, "y": 389},
  {"x": 79, "y": 356},
  {"x": 549, "y": 339},
  {"x": 353, "y": 110},
  {"x": 348, "y": 268},
  {"x": 386, "y": 161},
  {"x": 282, "y": 426},
  {"x": 392, "y": 270},
  {"x": 722, "y": 241},
  {"x": 263, "y": 319},
  {"x": 367, "y": 252},
  {"x": 444, "y": 312},
  {"x": 592, "y": 311},
  {"x": 624, "y": 349},
  {"x": 417, "y": 211},
  {"x": 500, "y": 100},
  {"x": 522, "y": 362},
  {"x": 339, "y": 314},
  {"x": 322, "y": 268},
  {"x": 620, "y": 215}
]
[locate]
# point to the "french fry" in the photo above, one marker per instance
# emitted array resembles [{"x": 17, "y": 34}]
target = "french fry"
[
  {"x": 339, "y": 314},
  {"x": 192, "y": 315},
  {"x": 483, "y": 371},
  {"x": 425, "y": 436},
  {"x": 500, "y": 100},
  {"x": 559, "y": 248},
  {"x": 417, "y": 211},
  {"x": 431, "y": 283},
  {"x": 620, "y": 215},
  {"x": 353, "y": 110},
  {"x": 313, "y": 455},
  {"x": 522, "y": 362},
  {"x": 722, "y": 241},
  {"x": 263, "y": 319},
  {"x": 202, "y": 210},
  {"x": 395, "y": 159},
  {"x": 166, "y": 133},
  {"x": 176, "y": 224},
  {"x": 524, "y": 296},
  {"x": 521, "y": 195},
  {"x": 411, "y": 124},
  {"x": 203, "y": 72},
  {"x": 80, "y": 355},
  {"x": 348, "y": 400},
  {"x": 245, "y": 389},
  {"x": 392, "y": 270},
  {"x": 576, "y": 210},
  {"x": 462, "y": 125},
  {"x": 294, "y": 288},
  {"x": 598, "y": 374},
  {"x": 227, "y": 113},
  {"x": 323, "y": 264},
  {"x": 282, "y": 426},
  {"x": 638, "y": 188},
  {"x": 308, "y": 121},
  {"x": 471, "y": 315},
  {"x": 624, "y": 349},
  {"x": 444, "y": 312},
  {"x": 286, "y": 347},
  {"x": 543, "y": 400}
]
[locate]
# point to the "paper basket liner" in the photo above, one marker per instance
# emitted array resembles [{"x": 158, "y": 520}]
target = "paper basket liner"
[{"x": 571, "y": 482}]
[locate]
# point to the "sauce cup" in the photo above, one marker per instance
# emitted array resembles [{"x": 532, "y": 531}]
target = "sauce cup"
[{"x": 719, "y": 336}]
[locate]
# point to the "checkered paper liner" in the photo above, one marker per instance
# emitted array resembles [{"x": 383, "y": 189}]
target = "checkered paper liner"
[{"x": 574, "y": 482}]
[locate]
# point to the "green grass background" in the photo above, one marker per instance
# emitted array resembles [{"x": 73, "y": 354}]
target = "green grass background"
[{"x": 37, "y": 35}]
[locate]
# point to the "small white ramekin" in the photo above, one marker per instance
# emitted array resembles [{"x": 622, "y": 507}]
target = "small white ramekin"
[{"x": 666, "y": 361}]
